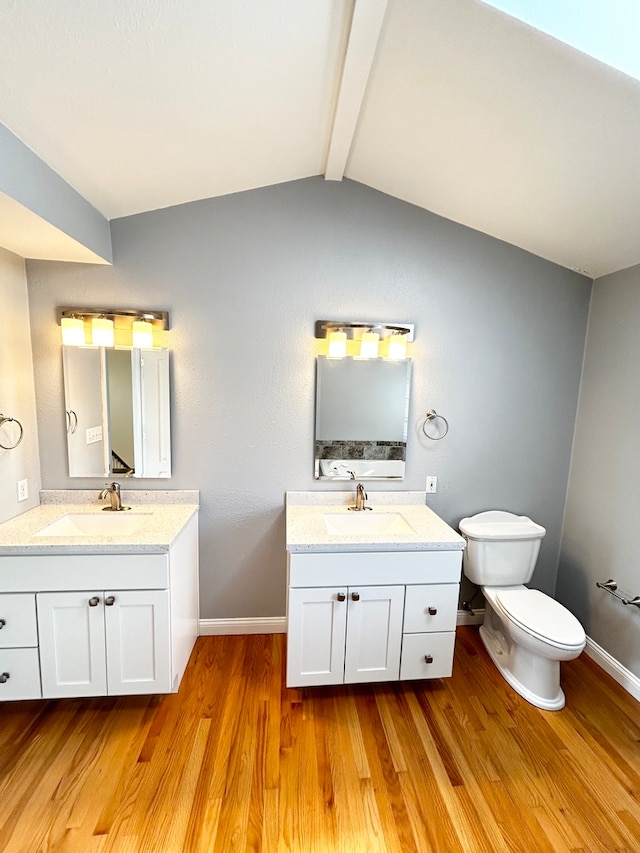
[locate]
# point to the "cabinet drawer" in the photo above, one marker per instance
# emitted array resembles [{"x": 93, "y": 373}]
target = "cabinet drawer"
[
  {"x": 416, "y": 648},
  {"x": 431, "y": 607},
  {"x": 23, "y": 670},
  {"x": 374, "y": 568},
  {"x": 18, "y": 620}
]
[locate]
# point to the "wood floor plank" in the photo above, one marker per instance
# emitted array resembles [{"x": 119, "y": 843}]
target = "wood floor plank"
[{"x": 236, "y": 761}]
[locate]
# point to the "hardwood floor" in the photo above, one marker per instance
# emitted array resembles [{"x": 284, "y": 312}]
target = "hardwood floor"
[{"x": 235, "y": 761}]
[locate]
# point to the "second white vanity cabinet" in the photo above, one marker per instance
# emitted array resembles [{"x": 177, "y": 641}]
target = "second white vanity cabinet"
[{"x": 371, "y": 616}]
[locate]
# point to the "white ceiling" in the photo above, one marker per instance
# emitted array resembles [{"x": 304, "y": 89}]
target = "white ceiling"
[{"x": 448, "y": 104}]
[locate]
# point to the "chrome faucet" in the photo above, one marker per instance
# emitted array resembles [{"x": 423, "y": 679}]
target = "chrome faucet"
[
  {"x": 361, "y": 497},
  {"x": 113, "y": 490}
]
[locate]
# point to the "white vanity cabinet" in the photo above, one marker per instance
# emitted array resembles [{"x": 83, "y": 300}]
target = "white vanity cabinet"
[
  {"x": 371, "y": 616},
  {"x": 95, "y": 643},
  {"x": 98, "y": 623}
]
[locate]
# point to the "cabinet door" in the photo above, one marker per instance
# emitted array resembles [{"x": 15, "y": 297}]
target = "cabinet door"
[
  {"x": 72, "y": 651},
  {"x": 138, "y": 641},
  {"x": 316, "y": 628},
  {"x": 374, "y": 633}
]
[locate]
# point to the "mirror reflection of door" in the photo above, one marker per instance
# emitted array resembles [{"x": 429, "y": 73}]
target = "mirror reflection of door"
[
  {"x": 85, "y": 405},
  {"x": 118, "y": 421}
]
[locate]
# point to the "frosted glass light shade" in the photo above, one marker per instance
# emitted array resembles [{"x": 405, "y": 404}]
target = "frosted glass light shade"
[
  {"x": 142, "y": 333},
  {"x": 102, "y": 332},
  {"x": 397, "y": 346},
  {"x": 72, "y": 331},
  {"x": 337, "y": 344},
  {"x": 369, "y": 345}
]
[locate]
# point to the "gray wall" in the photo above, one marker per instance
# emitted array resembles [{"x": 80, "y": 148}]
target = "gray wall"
[
  {"x": 603, "y": 501},
  {"x": 498, "y": 351},
  {"x": 17, "y": 395}
]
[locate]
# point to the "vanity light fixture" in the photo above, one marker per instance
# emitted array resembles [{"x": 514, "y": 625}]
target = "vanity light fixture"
[
  {"x": 337, "y": 344},
  {"x": 365, "y": 340},
  {"x": 72, "y": 331},
  {"x": 369, "y": 343},
  {"x": 142, "y": 334},
  {"x": 102, "y": 332},
  {"x": 107, "y": 327}
]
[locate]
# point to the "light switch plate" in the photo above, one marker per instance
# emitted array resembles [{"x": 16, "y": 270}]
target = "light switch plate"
[{"x": 94, "y": 434}]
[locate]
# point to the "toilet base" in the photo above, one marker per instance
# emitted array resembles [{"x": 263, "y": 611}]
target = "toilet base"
[{"x": 535, "y": 678}]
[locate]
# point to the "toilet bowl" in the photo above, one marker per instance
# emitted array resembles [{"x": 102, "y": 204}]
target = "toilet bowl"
[{"x": 525, "y": 632}]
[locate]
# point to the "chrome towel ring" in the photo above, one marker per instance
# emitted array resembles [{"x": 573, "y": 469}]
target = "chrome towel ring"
[
  {"x": 431, "y": 417},
  {"x": 5, "y": 419}
]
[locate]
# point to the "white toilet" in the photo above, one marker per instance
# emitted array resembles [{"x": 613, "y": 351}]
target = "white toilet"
[{"x": 526, "y": 632}]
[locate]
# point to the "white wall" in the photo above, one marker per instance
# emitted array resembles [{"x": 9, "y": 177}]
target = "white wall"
[
  {"x": 17, "y": 396},
  {"x": 600, "y": 539},
  {"x": 498, "y": 351}
]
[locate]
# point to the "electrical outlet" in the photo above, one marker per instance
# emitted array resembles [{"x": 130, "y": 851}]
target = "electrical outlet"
[
  {"x": 432, "y": 485},
  {"x": 23, "y": 489}
]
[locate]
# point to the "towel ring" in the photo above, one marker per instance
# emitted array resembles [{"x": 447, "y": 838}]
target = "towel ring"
[
  {"x": 5, "y": 420},
  {"x": 432, "y": 415}
]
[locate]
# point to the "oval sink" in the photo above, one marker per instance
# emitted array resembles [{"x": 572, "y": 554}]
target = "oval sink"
[
  {"x": 366, "y": 523},
  {"x": 96, "y": 524}
]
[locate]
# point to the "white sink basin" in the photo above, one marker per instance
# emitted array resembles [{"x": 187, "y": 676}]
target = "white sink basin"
[
  {"x": 97, "y": 524},
  {"x": 364, "y": 523}
]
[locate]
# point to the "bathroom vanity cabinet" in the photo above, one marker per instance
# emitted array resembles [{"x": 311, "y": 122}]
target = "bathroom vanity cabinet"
[
  {"x": 98, "y": 624},
  {"x": 371, "y": 616}
]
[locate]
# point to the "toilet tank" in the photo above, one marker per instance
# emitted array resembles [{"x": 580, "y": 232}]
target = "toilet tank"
[{"x": 502, "y": 548}]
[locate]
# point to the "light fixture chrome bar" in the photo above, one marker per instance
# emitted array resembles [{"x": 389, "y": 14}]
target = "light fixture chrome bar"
[
  {"x": 122, "y": 317},
  {"x": 354, "y": 329}
]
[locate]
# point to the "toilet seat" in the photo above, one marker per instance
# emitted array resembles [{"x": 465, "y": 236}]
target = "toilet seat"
[{"x": 540, "y": 615}]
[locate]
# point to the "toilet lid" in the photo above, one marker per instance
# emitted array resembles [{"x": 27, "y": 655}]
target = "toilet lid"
[
  {"x": 542, "y": 616},
  {"x": 498, "y": 525}
]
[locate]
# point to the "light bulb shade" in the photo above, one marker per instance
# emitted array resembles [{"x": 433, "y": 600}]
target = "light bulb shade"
[
  {"x": 337, "y": 344},
  {"x": 102, "y": 332},
  {"x": 142, "y": 333},
  {"x": 72, "y": 331},
  {"x": 398, "y": 346},
  {"x": 369, "y": 345}
]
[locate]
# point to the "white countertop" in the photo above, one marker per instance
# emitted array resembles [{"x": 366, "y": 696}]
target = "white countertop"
[
  {"x": 166, "y": 520},
  {"x": 307, "y": 531}
]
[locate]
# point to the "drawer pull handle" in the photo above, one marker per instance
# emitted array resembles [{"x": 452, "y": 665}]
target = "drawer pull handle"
[
  {"x": 4, "y": 677},
  {"x": 341, "y": 596},
  {"x": 355, "y": 596},
  {"x": 94, "y": 602},
  {"x": 433, "y": 611},
  {"x": 110, "y": 600},
  {"x": 2, "y": 624},
  {"x": 428, "y": 658}
]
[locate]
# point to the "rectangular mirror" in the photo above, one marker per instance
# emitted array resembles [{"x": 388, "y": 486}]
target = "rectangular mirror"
[
  {"x": 362, "y": 413},
  {"x": 117, "y": 410}
]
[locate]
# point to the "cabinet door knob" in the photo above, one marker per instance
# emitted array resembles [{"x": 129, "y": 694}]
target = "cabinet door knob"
[
  {"x": 4, "y": 677},
  {"x": 428, "y": 658},
  {"x": 433, "y": 611},
  {"x": 2, "y": 624},
  {"x": 355, "y": 596},
  {"x": 94, "y": 602},
  {"x": 110, "y": 600},
  {"x": 341, "y": 596}
]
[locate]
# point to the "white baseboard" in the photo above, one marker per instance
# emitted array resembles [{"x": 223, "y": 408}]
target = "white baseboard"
[
  {"x": 466, "y": 618},
  {"x": 260, "y": 625},
  {"x": 278, "y": 624},
  {"x": 619, "y": 673}
]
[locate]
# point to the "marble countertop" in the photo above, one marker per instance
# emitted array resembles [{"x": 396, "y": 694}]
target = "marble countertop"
[
  {"x": 166, "y": 520},
  {"x": 307, "y": 531}
]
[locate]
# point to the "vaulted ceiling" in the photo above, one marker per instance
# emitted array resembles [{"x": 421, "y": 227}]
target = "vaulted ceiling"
[{"x": 448, "y": 104}]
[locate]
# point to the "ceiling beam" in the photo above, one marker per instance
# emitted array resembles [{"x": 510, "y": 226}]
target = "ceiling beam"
[{"x": 366, "y": 27}]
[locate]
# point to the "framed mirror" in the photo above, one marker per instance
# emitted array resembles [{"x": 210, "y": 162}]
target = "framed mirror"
[
  {"x": 117, "y": 411},
  {"x": 362, "y": 413}
]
